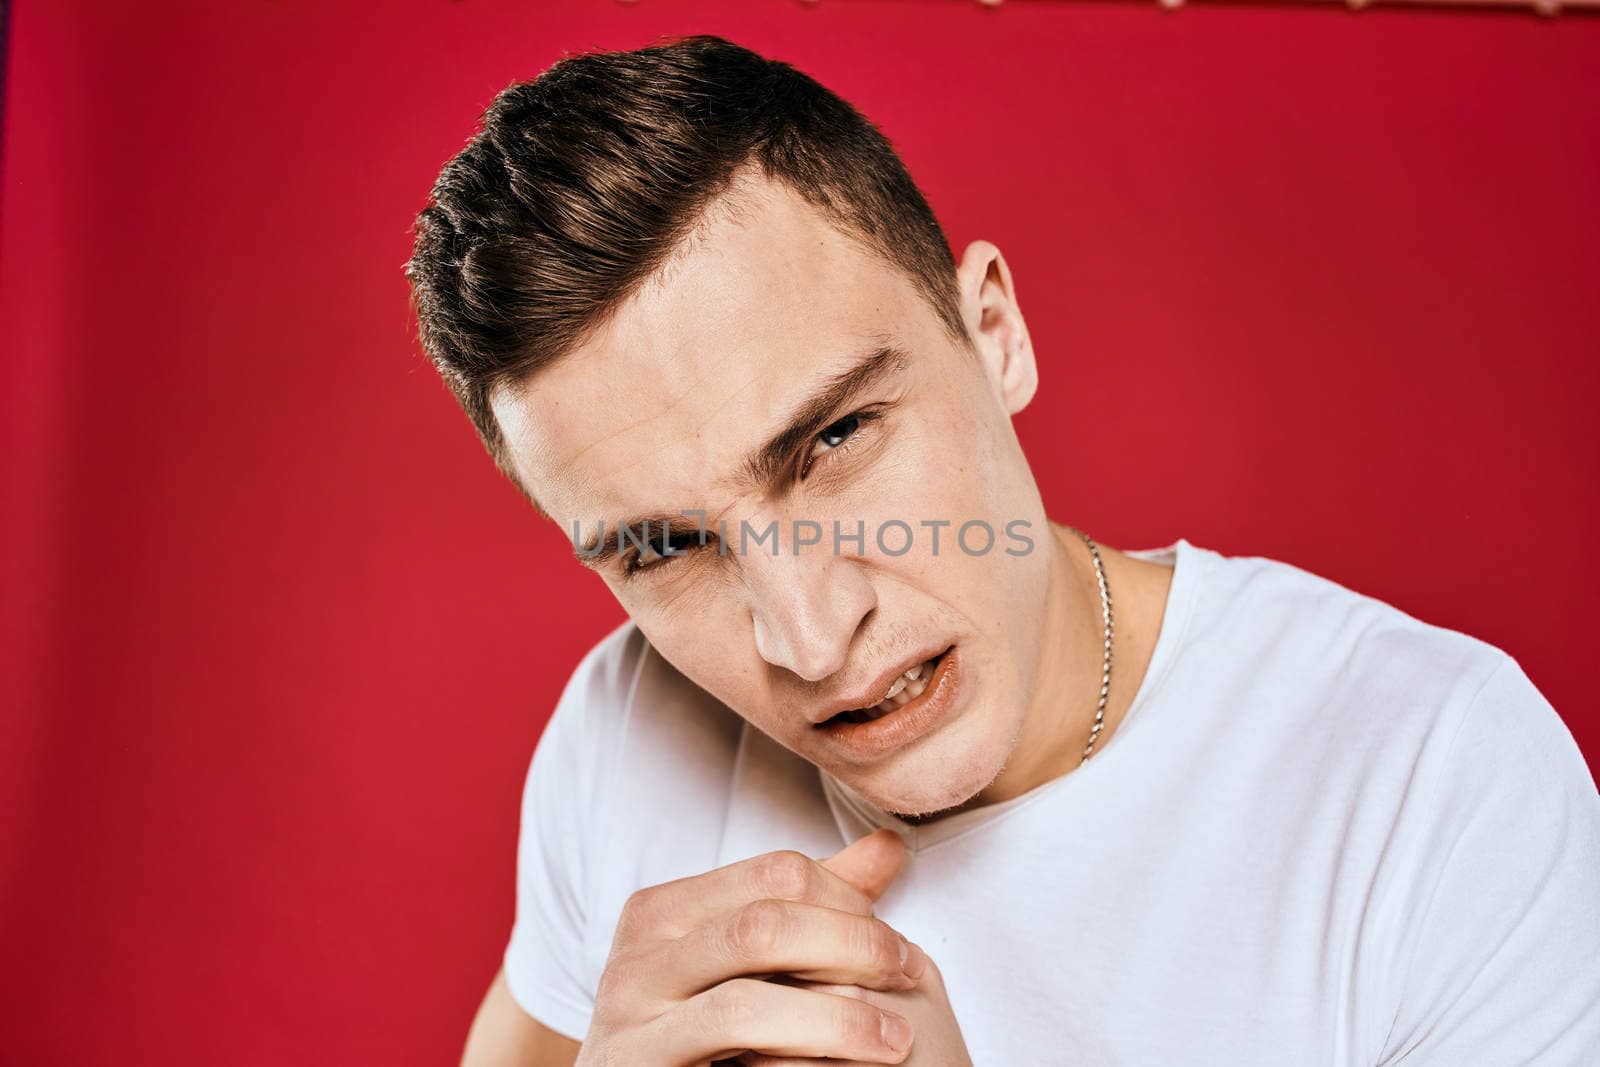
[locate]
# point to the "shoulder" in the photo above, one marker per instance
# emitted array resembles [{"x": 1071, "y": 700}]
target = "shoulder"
[
  {"x": 1510, "y": 740},
  {"x": 1445, "y": 710},
  {"x": 1447, "y": 789},
  {"x": 1423, "y": 729},
  {"x": 1330, "y": 637},
  {"x": 626, "y": 712},
  {"x": 1313, "y": 685}
]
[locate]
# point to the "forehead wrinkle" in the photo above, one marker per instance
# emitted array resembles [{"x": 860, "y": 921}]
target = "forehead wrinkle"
[
  {"x": 733, "y": 207},
  {"x": 618, "y": 431},
  {"x": 727, "y": 206},
  {"x": 749, "y": 384},
  {"x": 662, "y": 412}
]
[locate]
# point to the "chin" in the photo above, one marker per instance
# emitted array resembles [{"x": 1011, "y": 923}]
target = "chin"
[{"x": 939, "y": 774}]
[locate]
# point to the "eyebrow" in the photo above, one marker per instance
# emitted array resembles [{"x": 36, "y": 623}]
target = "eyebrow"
[{"x": 771, "y": 464}]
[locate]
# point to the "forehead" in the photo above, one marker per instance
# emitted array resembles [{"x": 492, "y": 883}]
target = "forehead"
[{"x": 658, "y": 407}]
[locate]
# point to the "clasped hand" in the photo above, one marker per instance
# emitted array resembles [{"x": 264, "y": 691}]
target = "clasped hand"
[{"x": 775, "y": 960}]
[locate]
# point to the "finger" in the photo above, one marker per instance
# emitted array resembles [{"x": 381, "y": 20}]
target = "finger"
[
  {"x": 870, "y": 863},
  {"x": 854, "y": 991},
  {"x": 749, "y": 1015},
  {"x": 765, "y": 937},
  {"x": 758, "y": 1059},
  {"x": 755, "y": 1059},
  {"x": 672, "y": 909}
]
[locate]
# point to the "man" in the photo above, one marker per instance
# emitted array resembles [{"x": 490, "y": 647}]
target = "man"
[{"x": 887, "y": 767}]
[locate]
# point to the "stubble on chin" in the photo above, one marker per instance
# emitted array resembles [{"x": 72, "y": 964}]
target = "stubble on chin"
[{"x": 975, "y": 776}]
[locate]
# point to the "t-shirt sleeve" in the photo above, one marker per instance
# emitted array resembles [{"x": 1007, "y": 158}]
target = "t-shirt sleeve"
[
  {"x": 1505, "y": 936},
  {"x": 545, "y": 958}
]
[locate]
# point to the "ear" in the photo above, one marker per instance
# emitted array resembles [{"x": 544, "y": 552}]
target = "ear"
[{"x": 994, "y": 322}]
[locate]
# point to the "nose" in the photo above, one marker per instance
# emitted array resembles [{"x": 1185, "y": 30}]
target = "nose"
[{"x": 806, "y": 607}]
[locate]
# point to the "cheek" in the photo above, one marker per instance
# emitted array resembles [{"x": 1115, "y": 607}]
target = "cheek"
[
  {"x": 982, "y": 475},
  {"x": 702, "y": 630},
  {"x": 968, "y": 469},
  {"x": 973, "y": 443}
]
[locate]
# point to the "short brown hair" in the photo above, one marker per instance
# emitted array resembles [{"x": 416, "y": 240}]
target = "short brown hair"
[{"x": 580, "y": 184}]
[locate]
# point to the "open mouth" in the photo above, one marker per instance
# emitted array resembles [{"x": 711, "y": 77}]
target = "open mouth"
[{"x": 906, "y": 688}]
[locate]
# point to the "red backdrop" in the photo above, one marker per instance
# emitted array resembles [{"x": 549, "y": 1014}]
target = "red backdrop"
[{"x": 277, "y": 639}]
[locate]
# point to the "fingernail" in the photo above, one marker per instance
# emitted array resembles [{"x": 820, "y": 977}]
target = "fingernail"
[
  {"x": 913, "y": 961},
  {"x": 896, "y": 1032}
]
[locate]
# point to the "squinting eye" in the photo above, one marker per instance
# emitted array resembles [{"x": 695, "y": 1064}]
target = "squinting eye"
[
  {"x": 835, "y": 435},
  {"x": 654, "y": 553},
  {"x": 838, "y": 437}
]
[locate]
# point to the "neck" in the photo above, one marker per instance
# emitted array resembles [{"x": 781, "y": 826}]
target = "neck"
[{"x": 1066, "y": 689}]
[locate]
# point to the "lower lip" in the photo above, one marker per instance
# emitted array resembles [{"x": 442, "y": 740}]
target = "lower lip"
[{"x": 862, "y": 742}]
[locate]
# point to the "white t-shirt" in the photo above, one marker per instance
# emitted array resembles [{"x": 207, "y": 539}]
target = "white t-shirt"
[{"x": 1324, "y": 833}]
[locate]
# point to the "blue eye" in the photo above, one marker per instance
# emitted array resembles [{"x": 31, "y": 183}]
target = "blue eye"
[
  {"x": 835, "y": 435},
  {"x": 839, "y": 436}
]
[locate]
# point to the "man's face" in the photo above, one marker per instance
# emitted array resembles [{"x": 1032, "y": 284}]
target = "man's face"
[{"x": 777, "y": 371}]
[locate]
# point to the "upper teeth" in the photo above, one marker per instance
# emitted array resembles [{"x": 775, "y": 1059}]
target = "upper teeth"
[
  {"x": 904, "y": 682},
  {"x": 906, "y": 688}
]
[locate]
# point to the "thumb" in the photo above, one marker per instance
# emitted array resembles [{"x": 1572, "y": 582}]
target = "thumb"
[{"x": 870, "y": 863}]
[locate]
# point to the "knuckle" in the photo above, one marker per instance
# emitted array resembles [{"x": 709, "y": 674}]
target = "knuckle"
[
  {"x": 758, "y": 928},
  {"x": 730, "y": 1008},
  {"x": 784, "y": 875},
  {"x": 859, "y": 1024},
  {"x": 618, "y": 979},
  {"x": 883, "y": 946},
  {"x": 636, "y": 912}
]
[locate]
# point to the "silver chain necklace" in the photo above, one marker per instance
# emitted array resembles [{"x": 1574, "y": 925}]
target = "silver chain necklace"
[{"x": 1105, "y": 615}]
